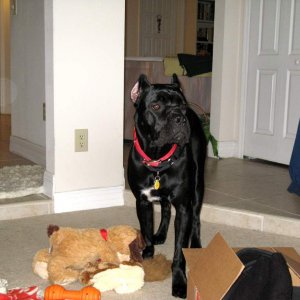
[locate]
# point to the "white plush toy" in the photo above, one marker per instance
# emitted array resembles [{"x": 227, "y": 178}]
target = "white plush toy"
[{"x": 124, "y": 279}]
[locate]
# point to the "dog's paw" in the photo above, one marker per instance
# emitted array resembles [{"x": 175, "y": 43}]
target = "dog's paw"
[
  {"x": 179, "y": 291},
  {"x": 179, "y": 285},
  {"x": 148, "y": 252},
  {"x": 159, "y": 239},
  {"x": 196, "y": 243}
]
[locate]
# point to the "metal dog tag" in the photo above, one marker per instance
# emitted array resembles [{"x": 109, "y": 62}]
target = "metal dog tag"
[{"x": 156, "y": 182}]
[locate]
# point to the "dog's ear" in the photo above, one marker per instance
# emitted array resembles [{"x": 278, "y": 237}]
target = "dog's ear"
[
  {"x": 52, "y": 228},
  {"x": 175, "y": 80},
  {"x": 139, "y": 86}
]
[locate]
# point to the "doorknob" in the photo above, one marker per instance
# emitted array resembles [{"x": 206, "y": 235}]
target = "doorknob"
[{"x": 297, "y": 61}]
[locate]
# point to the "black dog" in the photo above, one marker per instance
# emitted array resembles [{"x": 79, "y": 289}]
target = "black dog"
[{"x": 166, "y": 164}]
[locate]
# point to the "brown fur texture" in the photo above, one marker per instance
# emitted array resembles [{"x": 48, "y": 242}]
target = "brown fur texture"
[
  {"x": 135, "y": 248},
  {"x": 157, "y": 268},
  {"x": 92, "y": 269},
  {"x": 73, "y": 249}
]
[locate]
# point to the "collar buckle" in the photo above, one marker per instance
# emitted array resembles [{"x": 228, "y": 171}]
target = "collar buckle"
[{"x": 152, "y": 162}]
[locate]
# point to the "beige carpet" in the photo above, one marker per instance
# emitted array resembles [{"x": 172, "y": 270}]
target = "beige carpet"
[{"x": 20, "y": 239}]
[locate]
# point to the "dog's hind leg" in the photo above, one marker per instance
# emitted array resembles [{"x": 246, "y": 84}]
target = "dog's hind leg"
[
  {"x": 161, "y": 234},
  {"x": 196, "y": 227},
  {"x": 198, "y": 147},
  {"x": 195, "y": 221},
  {"x": 145, "y": 215}
]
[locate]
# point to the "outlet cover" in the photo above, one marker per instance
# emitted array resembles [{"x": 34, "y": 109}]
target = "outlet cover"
[{"x": 81, "y": 140}]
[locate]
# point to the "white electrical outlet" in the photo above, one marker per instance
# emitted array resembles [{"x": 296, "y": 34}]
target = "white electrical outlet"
[{"x": 81, "y": 140}]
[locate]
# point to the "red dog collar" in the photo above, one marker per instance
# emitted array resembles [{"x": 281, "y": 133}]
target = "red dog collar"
[{"x": 146, "y": 159}]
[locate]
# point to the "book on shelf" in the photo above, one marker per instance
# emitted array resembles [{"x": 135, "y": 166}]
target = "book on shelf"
[{"x": 206, "y": 10}]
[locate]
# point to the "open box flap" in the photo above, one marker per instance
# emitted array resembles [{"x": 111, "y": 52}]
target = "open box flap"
[
  {"x": 213, "y": 269},
  {"x": 293, "y": 260}
]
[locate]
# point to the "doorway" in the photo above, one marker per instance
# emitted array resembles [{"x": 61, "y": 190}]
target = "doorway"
[
  {"x": 5, "y": 106},
  {"x": 5, "y": 102}
]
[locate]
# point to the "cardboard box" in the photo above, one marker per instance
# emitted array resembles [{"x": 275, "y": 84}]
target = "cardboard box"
[{"x": 213, "y": 270}]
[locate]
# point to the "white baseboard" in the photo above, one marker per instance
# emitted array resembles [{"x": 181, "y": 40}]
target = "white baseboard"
[
  {"x": 225, "y": 149},
  {"x": 48, "y": 184},
  {"x": 88, "y": 199},
  {"x": 82, "y": 199},
  {"x": 29, "y": 150}
]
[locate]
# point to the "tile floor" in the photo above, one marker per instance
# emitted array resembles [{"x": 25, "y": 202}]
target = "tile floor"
[{"x": 244, "y": 193}]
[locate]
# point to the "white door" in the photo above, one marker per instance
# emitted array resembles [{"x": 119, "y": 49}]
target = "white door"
[
  {"x": 158, "y": 28},
  {"x": 273, "y": 82}
]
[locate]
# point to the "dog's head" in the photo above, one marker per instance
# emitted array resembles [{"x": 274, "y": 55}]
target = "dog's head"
[{"x": 161, "y": 112}]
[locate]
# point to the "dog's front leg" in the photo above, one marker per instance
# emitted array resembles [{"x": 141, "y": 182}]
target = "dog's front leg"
[
  {"x": 161, "y": 234},
  {"x": 182, "y": 227},
  {"x": 145, "y": 216}
]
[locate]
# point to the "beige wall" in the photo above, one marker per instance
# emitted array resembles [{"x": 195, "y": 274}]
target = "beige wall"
[
  {"x": 88, "y": 67},
  {"x": 88, "y": 84},
  {"x": 186, "y": 27}
]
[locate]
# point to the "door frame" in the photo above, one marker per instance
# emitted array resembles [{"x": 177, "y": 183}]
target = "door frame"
[{"x": 4, "y": 57}]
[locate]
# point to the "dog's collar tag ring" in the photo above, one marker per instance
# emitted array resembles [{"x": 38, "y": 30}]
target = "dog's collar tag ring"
[{"x": 156, "y": 181}]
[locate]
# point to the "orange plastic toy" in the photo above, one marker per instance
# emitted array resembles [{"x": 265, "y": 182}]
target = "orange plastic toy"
[{"x": 57, "y": 292}]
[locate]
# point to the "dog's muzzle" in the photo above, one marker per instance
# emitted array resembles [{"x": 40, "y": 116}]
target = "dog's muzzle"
[
  {"x": 180, "y": 128},
  {"x": 177, "y": 131},
  {"x": 179, "y": 119}
]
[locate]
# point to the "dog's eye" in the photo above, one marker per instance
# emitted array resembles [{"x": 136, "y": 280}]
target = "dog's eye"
[{"x": 156, "y": 106}]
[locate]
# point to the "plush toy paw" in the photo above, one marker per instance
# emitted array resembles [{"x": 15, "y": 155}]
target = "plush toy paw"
[
  {"x": 65, "y": 278},
  {"x": 40, "y": 263}
]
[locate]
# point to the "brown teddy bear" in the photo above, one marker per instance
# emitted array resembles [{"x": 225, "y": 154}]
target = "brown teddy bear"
[{"x": 73, "y": 250}]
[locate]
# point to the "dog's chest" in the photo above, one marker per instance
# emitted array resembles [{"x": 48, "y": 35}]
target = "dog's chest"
[
  {"x": 157, "y": 187},
  {"x": 151, "y": 194}
]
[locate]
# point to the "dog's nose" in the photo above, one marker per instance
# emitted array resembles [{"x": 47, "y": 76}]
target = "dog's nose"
[{"x": 180, "y": 119}]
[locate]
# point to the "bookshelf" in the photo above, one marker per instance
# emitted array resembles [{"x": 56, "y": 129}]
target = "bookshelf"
[{"x": 205, "y": 27}]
